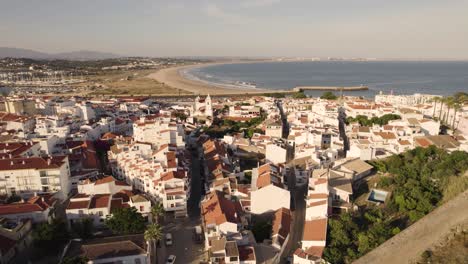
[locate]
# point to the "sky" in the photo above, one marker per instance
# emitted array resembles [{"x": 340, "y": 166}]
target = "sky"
[{"x": 292, "y": 28}]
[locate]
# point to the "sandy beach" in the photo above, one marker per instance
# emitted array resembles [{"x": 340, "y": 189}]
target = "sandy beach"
[{"x": 173, "y": 78}]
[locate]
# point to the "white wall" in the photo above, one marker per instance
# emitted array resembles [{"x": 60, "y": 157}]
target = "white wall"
[{"x": 261, "y": 200}]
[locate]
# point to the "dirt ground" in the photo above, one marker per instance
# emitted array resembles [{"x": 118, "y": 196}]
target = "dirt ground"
[
  {"x": 132, "y": 82},
  {"x": 453, "y": 252}
]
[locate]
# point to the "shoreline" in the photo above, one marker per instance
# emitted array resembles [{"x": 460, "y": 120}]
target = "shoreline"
[{"x": 173, "y": 78}]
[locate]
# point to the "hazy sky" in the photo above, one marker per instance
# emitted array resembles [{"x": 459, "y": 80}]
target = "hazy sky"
[{"x": 348, "y": 28}]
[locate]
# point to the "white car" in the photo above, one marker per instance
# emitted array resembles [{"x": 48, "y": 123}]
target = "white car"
[
  {"x": 168, "y": 239},
  {"x": 170, "y": 259}
]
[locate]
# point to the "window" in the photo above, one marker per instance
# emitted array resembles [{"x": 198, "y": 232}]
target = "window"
[
  {"x": 137, "y": 261},
  {"x": 100, "y": 213},
  {"x": 80, "y": 212},
  {"x": 142, "y": 208}
]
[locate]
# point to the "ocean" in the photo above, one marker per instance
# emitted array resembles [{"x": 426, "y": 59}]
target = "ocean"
[{"x": 397, "y": 77}]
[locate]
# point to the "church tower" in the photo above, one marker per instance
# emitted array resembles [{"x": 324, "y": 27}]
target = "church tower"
[{"x": 208, "y": 108}]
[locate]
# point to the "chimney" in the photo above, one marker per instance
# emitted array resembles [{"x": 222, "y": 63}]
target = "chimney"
[
  {"x": 11, "y": 163},
  {"x": 23, "y": 162},
  {"x": 49, "y": 160}
]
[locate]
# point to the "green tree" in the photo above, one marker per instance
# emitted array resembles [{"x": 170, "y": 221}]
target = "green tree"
[
  {"x": 126, "y": 221},
  {"x": 329, "y": 96},
  {"x": 299, "y": 95},
  {"x": 49, "y": 237},
  {"x": 83, "y": 228},
  {"x": 156, "y": 212}
]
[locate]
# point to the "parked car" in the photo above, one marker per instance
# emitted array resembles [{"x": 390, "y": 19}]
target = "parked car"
[
  {"x": 171, "y": 259},
  {"x": 168, "y": 239}
]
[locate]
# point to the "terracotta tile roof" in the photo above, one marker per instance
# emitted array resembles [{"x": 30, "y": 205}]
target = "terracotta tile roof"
[
  {"x": 404, "y": 142},
  {"x": 171, "y": 159},
  {"x": 32, "y": 163},
  {"x": 100, "y": 201},
  {"x": 171, "y": 175},
  {"x": 281, "y": 223},
  {"x": 78, "y": 205},
  {"x": 321, "y": 181},
  {"x": 387, "y": 135},
  {"x": 246, "y": 253},
  {"x": 267, "y": 179},
  {"x": 109, "y": 179},
  {"x": 318, "y": 196},
  {"x": 111, "y": 250},
  {"x": 34, "y": 204},
  {"x": 422, "y": 142},
  {"x": 217, "y": 209},
  {"x": 315, "y": 230},
  {"x": 311, "y": 253},
  {"x": 15, "y": 149},
  {"x": 124, "y": 195},
  {"x": 7, "y": 117}
]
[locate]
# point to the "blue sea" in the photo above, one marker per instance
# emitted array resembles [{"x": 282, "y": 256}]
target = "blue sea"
[{"x": 408, "y": 77}]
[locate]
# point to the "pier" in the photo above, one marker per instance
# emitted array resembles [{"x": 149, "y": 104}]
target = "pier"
[{"x": 331, "y": 88}]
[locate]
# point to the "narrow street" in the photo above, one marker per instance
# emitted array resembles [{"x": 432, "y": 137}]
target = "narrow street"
[
  {"x": 297, "y": 226},
  {"x": 184, "y": 247},
  {"x": 193, "y": 204},
  {"x": 284, "y": 119}
]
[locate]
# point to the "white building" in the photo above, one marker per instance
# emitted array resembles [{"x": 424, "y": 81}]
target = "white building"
[
  {"x": 158, "y": 132},
  {"x": 273, "y": 128},
  {"x": 30, "y": 175},
  {"x": 202, "y": 107},
  {"x": 266, "y": 183},
  {"x": 99, "y": 198}
]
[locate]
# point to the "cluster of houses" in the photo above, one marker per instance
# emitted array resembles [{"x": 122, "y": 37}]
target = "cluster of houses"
[{"x": 91, "y": 156}]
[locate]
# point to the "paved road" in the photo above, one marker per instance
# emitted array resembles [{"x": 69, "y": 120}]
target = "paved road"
[
  {"x": 297, "y": 225},
  {"x": 284, "y": 119},
  {"x": 184, "y": 247},
  {"x": 407, "y": 246},
  {"x": 193, "y": 203}
]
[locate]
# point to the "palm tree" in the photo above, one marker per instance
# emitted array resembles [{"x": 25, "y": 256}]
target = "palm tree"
[
  {"x": 153, "y": 233},
  {"x": 449, "y": 102},
  {"x": 456, "y": 107},
  {"x": 442, "y": 101},
  {"x": 434, "y": 100},
  {"x": 157, "y": 211}
]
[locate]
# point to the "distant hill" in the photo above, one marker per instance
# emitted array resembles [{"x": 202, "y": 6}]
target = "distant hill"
[{"x": 6, "y": 52}]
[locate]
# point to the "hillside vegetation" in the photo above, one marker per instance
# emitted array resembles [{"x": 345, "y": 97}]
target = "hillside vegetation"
[{"x": 419, "y": 180}]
